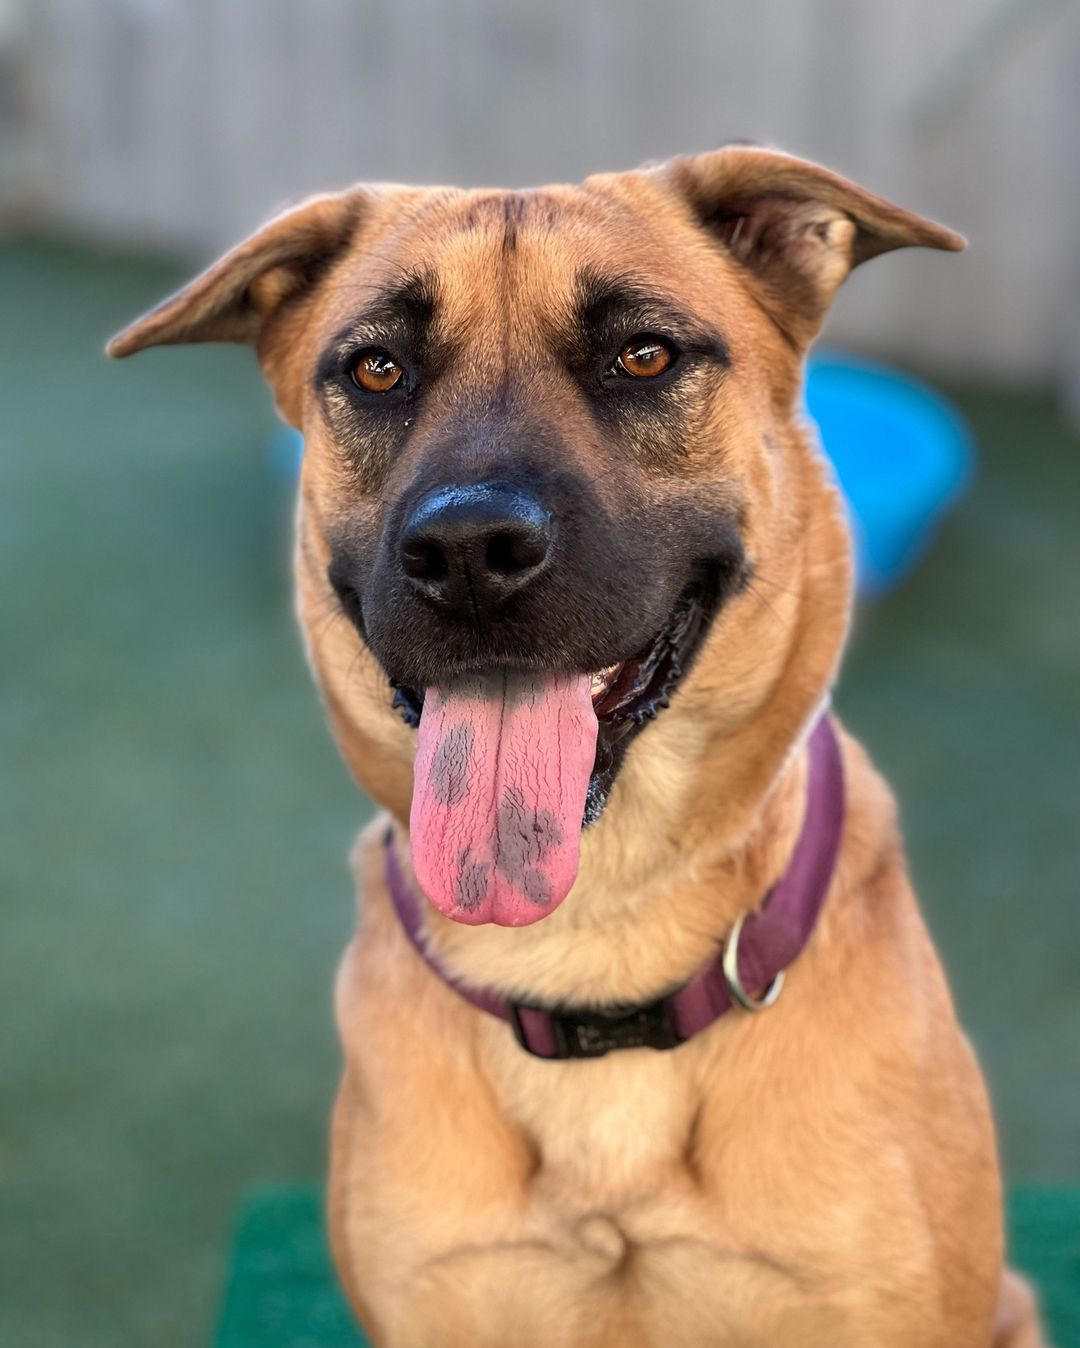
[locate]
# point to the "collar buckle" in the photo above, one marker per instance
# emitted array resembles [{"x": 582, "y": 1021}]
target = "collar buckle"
[{"x": 594, "y": 1033}]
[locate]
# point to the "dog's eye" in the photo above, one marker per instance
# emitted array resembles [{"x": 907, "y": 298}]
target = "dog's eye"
[
  {"x": 376, "y": 371},
  {"x": 643, "y": 358}
]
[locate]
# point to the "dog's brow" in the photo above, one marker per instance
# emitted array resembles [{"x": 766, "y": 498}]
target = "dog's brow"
[
  {"x": 607, "y": 306},
  {"x": 399, "y": 313}
]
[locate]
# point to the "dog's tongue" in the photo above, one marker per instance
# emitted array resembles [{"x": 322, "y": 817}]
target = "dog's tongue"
[{"x": 502, "y": 767}]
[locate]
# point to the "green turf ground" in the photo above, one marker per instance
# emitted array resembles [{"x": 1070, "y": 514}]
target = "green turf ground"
[{"x": 174, "y": 821}]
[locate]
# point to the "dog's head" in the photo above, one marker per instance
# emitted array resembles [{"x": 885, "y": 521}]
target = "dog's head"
[{"x": 553, "y": 482}]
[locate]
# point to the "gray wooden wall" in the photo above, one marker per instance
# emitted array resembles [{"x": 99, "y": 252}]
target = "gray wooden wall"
[{"x": 183, "y": 122}]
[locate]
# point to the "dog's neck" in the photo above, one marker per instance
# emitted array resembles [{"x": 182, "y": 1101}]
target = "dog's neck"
[{"x": 644, "y": 914}]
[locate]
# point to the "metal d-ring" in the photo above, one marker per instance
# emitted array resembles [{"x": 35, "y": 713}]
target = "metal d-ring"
[{"x": 730, "y": 966}]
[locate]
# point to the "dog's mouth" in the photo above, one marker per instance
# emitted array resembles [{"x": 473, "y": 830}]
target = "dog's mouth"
[
  {"x": 627, "y": 695},
  {"x": 630, "y": 692},
  {"x": 512, "y": 765}
]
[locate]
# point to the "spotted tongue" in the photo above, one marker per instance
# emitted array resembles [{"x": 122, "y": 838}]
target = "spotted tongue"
[{"x": 502, "y": 767}]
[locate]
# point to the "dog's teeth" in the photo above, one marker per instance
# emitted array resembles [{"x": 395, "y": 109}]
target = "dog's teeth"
[{"x": 603, "y": 679}]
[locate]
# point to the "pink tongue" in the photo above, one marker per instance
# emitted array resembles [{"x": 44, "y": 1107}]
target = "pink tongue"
[{"x": 502, "y": 768}]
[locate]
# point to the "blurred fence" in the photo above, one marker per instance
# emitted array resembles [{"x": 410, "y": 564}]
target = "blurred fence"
[{"x": 183, "y": 122}]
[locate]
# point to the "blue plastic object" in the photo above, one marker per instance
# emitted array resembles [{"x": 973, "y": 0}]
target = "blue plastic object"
[
  {"x": 903, "y": 456},
  {"x": 284, "y": 450},
  {"x": 902, "y": 453}
]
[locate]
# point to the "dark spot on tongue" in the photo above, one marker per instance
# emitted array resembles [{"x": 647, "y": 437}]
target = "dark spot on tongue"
[
  {"x": 524, "y": 837},
  {"x": 535, "y": 887},
  {"x": 472, "y": 882},
  {"x": 449, "y": 775}
]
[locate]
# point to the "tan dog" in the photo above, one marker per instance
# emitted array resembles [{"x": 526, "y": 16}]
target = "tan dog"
[{"x": 553, "y": 439}]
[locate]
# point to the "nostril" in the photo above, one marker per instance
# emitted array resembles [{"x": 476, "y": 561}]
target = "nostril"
[
  {"x": 467, "y": 548},
  {"x": 424, "y": 560},
  {"x": 512, "y": 551}
]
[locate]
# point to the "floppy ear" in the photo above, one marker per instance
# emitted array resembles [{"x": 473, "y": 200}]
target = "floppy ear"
[
  {"x": 798, "y": 228},
  {"x": 233, "y": 299}
]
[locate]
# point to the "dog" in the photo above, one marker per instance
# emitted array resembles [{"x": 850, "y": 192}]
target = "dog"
[{"x": 645, "y": 1039}]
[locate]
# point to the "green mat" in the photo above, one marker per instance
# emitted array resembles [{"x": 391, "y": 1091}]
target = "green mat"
[{"x": 282, "y": 1292}]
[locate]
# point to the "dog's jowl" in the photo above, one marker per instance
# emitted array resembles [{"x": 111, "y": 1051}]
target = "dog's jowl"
[{"x": 645, "y": 1041}]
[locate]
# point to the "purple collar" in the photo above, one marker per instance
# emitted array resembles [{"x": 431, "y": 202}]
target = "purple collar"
[{"x": 749, "y": 971}]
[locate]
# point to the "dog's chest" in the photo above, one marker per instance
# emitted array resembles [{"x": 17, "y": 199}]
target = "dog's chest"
[
  {"x": 607, "y": 1130},
  {"x": 638, "y": 1199},
  {"x": 611, "y": 1236}
]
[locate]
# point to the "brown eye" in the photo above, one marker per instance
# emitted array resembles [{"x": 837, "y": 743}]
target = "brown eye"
[
  {"x": 376, "y": 371},
  {"x": 644, "y": 358}
]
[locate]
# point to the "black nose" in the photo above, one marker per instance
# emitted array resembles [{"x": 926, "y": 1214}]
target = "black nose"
[{"x": 471, "y": 547}]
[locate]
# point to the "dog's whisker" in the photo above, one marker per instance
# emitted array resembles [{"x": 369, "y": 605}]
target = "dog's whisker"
[
  {"x": 762, "y": 599},
  {"x": 599, "y": 477},
  {"x": 322, "y": 628},
  {"x": 759, "y": 579}
]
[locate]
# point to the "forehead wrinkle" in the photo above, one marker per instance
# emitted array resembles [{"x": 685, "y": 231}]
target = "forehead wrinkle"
[
  {"x": 506, "y": 212},
  {"x": 505, "y": 259},
  {"x": 480, "y": 282}
]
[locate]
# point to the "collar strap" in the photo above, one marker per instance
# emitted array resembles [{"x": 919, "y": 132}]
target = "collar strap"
[{"x": 748, "y": 972}]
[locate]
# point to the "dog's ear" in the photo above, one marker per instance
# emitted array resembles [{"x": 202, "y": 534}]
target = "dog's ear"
[
  {"x": 797, "y": 227},
  {"x": 232, "y": 301}
]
